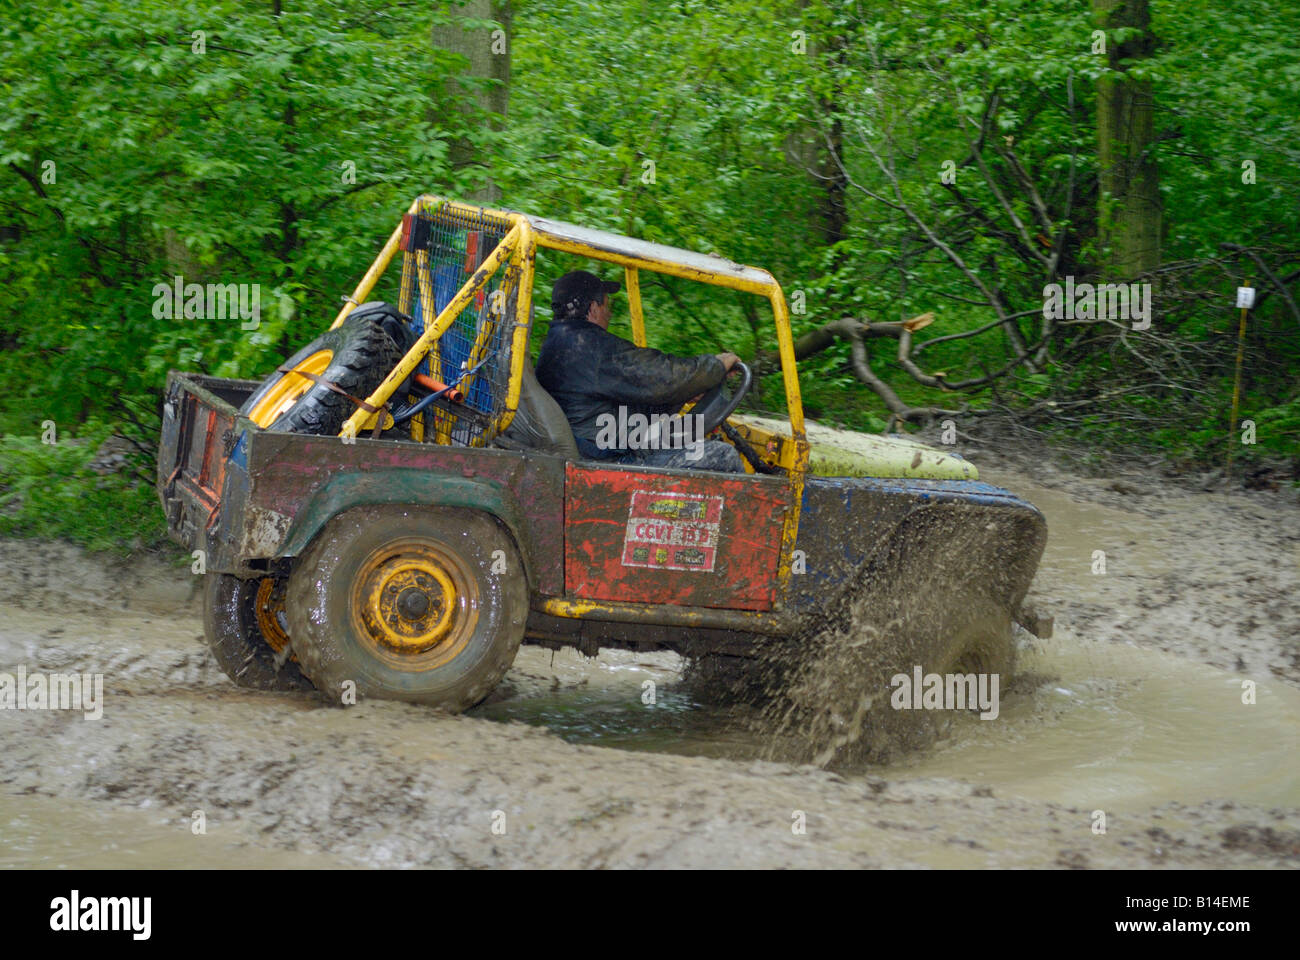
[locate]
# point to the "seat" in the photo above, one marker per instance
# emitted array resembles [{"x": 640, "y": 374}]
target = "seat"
[{"x": 539, "y": 423}]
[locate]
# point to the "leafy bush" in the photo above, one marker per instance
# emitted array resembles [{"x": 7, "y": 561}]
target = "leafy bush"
[{"x": 52, "y": 491}]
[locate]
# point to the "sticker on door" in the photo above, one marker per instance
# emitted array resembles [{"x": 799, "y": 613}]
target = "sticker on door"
[{"x": 672, "y": 531}]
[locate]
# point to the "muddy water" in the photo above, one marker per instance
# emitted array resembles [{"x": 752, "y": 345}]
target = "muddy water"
[
  {"x": 1125, "y": 728},
  {"x": 1134, "y": 708},
  {"x": 1118, "y": 727}
]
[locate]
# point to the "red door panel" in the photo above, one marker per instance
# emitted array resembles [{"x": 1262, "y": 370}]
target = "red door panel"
[{"x": 691, "y": 539}]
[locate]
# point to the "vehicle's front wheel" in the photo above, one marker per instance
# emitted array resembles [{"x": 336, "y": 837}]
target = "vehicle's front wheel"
[
  {"x": 990, "y": 650},
  {"x": 422, "y": 604}
]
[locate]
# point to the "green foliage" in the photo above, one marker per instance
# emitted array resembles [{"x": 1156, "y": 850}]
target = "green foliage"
[
  {"x": 1278, "y": 428},
  {"x": 52, "y": 491},
  {"x": 282, "y": 154}
]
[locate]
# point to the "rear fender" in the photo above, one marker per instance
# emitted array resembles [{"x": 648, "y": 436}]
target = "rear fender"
[{"x": 415, "y": 489}]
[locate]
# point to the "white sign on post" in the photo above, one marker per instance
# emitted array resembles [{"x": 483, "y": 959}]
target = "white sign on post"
[{"x": 1245, "y": 298}]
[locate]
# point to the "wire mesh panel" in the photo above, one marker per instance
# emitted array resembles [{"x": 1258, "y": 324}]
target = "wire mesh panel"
[{"x": 443, "y": 244}]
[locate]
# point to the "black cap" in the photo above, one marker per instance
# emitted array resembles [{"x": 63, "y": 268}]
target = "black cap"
[{"x": 574, "y": 292}]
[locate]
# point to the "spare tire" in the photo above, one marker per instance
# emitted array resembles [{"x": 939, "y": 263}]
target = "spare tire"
[{"x": 355, "y": 357}]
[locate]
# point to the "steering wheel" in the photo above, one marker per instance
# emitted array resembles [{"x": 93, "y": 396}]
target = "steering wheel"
[{"x": 715, "y": 406}]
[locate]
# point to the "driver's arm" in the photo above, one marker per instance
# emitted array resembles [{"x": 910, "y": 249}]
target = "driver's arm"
[{"x": 645, "y": 376}]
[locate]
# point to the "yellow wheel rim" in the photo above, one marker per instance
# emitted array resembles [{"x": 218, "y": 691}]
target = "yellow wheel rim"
[
  {"x": 289, "y": 389},
  {"x": 267, "y": 607},
  {"x": 414, "y": 605}
]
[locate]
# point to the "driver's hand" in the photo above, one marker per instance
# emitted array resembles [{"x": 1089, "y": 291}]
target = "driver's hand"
[{"x": 729, "y": 360}]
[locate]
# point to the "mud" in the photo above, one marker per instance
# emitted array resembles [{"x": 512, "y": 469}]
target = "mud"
[{"x": 1134, "y": 708}]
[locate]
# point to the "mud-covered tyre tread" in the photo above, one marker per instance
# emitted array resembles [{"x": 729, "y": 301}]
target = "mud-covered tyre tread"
[
  {"x": 236, "y": 641},
  {"x": 363, "y": 356},
  {"x": 317, "y": 649}
]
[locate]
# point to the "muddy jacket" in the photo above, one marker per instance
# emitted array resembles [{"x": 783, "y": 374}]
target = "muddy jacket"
[{"x": 590, "y": 371}]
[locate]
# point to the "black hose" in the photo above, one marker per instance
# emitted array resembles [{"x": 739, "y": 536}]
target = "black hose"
[{"x": 406, "y": 413}]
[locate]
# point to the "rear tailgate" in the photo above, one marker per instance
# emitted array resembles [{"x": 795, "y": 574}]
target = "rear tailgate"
[{"x": 198, "y": 434}]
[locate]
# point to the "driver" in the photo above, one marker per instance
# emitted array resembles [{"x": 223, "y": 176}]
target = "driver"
[{"x": 600, "y": 381}]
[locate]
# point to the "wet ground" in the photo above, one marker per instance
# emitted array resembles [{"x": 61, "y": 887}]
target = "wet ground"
[{"x": 1134, "y": 709}]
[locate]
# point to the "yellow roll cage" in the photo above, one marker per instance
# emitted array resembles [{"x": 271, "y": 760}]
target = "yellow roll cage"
[{"x": 519, "y": 246}]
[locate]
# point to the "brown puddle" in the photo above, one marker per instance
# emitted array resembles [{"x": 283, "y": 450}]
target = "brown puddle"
[
  {"x": 1121, "y": 727},
  {"x": 1107, "y": 725}
]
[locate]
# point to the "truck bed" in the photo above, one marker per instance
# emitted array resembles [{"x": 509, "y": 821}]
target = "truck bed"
[
  {"x": 198, "y": 432},
  {"x": 249, "y": 497}
]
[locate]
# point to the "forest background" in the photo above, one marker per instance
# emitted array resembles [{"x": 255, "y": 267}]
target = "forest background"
[{"x": 884, "y": 161}]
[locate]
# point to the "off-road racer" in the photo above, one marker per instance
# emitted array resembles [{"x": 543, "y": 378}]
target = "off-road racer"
[{"x": 400, "y": 504}]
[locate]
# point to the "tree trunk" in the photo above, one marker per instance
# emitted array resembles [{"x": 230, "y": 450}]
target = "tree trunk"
[
  {"x": 1129, "y": 209},
  {"x": 488, "y": 52},
  {"x": 818, "y": 153}
]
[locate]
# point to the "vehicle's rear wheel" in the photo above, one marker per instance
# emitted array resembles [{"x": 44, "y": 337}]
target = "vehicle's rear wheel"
[
  {"x": 424, "y": 604},
  {"x": 244, "y": 624},
  {"x": 355, "y": 357}
]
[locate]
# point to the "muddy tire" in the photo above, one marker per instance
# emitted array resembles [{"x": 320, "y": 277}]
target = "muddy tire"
[
  {"x": 243, "y": 632},
  {"x": 422, "y": 604},
  {"x": 356, "y": 357}
]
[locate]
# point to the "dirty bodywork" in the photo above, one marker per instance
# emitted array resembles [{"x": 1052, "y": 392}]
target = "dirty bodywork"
[{"x": 262, "y": 502}]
